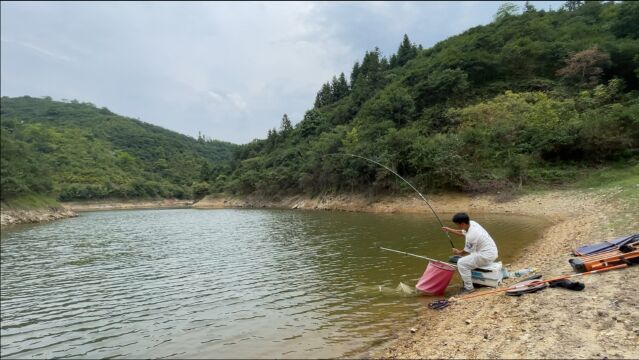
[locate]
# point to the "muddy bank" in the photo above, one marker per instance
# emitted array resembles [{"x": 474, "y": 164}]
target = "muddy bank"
[
  {"x": 13, "y": 217},
  {"x": 80, "y": 206}
]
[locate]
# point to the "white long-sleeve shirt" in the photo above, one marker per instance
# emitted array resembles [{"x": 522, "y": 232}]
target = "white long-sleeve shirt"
[{"x": 479, "y": 241}]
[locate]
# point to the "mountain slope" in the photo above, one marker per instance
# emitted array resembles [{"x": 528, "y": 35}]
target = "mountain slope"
[
  {"x": 536, "y": 97},
  {"x": 77, "y": 151}
]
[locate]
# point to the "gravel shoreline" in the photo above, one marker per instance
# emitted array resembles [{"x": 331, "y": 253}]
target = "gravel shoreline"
[
  {"x": 600, "y": 322},
  {"x": 14, "y": 217}
]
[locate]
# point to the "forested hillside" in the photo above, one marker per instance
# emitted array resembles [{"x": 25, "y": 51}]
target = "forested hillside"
[
  {"x": 534, "y": 97},
  {"x": 75, "y": 150}
]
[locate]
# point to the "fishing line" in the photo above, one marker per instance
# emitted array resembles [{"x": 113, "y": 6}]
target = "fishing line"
[{"x": 406, "y": 181}]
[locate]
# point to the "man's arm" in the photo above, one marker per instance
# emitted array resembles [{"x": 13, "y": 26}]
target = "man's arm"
[
  {"x": 454, "y": 231},
  {"x": 459, "y": 252}
]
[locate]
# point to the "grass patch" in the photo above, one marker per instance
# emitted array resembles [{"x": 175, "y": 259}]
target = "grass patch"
[
  {"x": 619, "y": 184},
  {"x": 626, "y": 175},
  {"x": 29, "y": 202},
  {"x": 622, "y": 179}
]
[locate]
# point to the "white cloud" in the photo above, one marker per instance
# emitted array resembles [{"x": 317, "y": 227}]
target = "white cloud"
[
  {"x": 238, "y": 102},
  {"x": 227, "y": 69},
  {"x": 217, "y": 97},
  {"x": 40, "y": 50}
]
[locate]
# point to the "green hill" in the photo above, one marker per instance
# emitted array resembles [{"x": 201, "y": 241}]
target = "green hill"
[
  {"x": 535, "y": 97},
  {"x": 77, "y": 151}
]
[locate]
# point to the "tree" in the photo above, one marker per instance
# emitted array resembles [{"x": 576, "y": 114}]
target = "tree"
[
  {"x": 371, "y": 65},
  {"x": 441, "y": 85},
  {"x": 406, "y": 52},
  {"x": 573, "y": 5},
  {"x": 528, "y": 7},
  {"x": 393, "y": 103},
  {"x": 505, "y": 10},
  {"x": 369, "y": 78},
  {"x": 339, "y": 87},
  {"x": 323, "y": 97},
  {"x": 311, "y": 124},
  {"x": 626, "y": 22},
  {"x": 585, "y": 67},
  {"x": 354, "y": 73},
  {"x": 285, "y": 126}
]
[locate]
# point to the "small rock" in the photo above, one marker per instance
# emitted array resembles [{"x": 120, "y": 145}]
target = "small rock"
[
  {"x": 467, "y": 322},
  {"x": 413, "y": 330}
]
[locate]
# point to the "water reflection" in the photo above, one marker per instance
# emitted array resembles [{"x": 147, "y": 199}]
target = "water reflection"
[{"x": 219, "y": 283}]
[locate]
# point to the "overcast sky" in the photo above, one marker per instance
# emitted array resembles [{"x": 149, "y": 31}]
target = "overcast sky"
[{"x": 227, "y": 69}]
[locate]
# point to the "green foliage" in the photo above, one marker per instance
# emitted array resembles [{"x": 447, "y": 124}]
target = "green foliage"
[
  {"x": 585, "y": 67},
  {"x": 332, "y": 91},
  {"x": 30, "y": 201},
  {"x": 407, "y": 51},
  {"x": 76, "y": 151},
  {"x": 506, "y": 10},
  {"x": 439, "y": 86},
  {"x": 438, "y": 162},
  {"x": 21, "y": 171},
  {"x": 528, "y": 99},
  {"x": 625, "y": 175},
  {"x": 626, "y": 20},
  {"x": 394, "y": 103}
]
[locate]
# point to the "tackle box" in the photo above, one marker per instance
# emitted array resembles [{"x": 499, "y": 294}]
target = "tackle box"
[{"x": 489, "y": 275}]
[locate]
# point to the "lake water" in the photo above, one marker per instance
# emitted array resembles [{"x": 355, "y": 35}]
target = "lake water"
[{"x": 188, "y": 283}]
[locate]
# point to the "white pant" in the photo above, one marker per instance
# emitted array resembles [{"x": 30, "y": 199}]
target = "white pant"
[{"x": 470, "y": 262}]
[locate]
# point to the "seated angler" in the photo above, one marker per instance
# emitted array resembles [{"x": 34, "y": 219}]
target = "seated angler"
[{"x": 479, "y": 246}]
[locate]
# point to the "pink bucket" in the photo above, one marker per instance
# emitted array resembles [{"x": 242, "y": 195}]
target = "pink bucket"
[{"x": 436, "y": 278}]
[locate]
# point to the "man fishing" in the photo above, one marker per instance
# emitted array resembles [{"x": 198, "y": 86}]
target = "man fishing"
[{"x": 479, "y": 245}]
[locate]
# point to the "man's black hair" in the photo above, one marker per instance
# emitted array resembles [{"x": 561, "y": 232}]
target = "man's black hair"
[{"x": 461, "y": 218}]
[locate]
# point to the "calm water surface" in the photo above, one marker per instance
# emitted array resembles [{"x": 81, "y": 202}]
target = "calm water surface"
[{"x": 220, "y": 283}]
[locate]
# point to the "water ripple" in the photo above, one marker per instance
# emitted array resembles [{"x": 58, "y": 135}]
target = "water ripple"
[{"x": 214, "y": 283}]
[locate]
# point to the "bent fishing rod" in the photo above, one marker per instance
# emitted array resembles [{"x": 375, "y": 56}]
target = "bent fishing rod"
[
  {"x": 406, "y": 181},
  {"x": 419, "y": 256}
]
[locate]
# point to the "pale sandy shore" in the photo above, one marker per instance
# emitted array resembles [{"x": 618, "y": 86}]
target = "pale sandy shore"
[
  {"x": 602, "y": 321},
  {"x": 70, "y": 209},
  {"x": 80, "y": 206},
  {"x": 12, "y": 217}
]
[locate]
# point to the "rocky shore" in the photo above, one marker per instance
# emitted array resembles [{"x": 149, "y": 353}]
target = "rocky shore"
[
  {"x": 80, "y": 206},
  {"x": 602, "y": 321},
  {"x": 71, "y": 209},
  {"x": 13, "y": 217}
]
